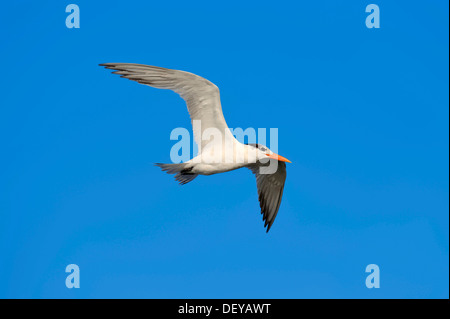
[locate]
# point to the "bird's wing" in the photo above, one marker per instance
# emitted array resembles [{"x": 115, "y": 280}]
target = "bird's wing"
[
  {"x": 270, "y": 190},
  {"x": 202, "y": 97}
]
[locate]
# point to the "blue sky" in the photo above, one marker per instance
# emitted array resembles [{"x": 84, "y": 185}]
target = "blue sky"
[{"x": 362, "y": 113}]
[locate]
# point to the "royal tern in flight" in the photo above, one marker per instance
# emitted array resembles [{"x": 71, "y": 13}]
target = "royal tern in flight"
[{"x": 216, "y": 155}]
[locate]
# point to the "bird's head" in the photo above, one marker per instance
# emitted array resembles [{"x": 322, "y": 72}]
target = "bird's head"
[{"x": 263, "y": 152}]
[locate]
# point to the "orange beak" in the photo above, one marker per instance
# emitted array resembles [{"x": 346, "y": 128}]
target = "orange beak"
[{"x": 278, "y": 157}]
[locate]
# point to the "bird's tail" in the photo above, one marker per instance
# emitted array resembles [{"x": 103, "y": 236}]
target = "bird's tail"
[{"x": 182, "y": 171}]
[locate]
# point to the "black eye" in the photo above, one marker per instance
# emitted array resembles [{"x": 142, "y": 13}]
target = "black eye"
[{"x": 260, "y": 147}]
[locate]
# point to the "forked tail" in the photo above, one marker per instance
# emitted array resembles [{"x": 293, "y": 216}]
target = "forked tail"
[{"x": 182, "y": 172}]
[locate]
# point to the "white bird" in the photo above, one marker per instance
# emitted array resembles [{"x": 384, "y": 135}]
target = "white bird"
[{"x": 216, "y": 154}]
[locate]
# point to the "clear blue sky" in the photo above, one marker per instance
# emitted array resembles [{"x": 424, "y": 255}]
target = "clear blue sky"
[{"x": 362, "y": 114}]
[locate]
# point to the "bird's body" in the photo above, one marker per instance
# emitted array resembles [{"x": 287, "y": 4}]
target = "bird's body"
[
  {"x": 219, "y": 151},
  {"x": 213, "y": 168},
  {"x": 221, "y": 159}
]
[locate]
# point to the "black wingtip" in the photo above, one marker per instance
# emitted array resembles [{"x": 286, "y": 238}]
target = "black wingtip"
[{"x": 107, "y": 65}]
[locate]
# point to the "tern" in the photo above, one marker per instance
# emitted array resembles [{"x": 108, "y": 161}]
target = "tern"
[{"x": 216, "y": 154}]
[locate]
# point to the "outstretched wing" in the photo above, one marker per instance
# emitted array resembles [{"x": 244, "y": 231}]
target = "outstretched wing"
[
  {"x": 270, "y": 190},
  {"x": 202, "y": 97}
]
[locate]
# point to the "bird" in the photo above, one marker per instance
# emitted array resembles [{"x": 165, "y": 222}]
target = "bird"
[{"x": 218, "y": 153}]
